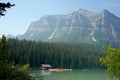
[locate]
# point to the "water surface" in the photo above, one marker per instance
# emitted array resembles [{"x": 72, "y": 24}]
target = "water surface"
[{"x": 78, "y": 74}]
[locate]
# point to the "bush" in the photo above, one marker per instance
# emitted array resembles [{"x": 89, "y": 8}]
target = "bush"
[{"x": 17, "y": 73}]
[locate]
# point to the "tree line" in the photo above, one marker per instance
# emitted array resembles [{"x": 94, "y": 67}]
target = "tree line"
[{"x": 65, "y": 55}]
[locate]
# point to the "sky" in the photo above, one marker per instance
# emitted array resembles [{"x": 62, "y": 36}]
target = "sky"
[{"x": 18, "y": 18}]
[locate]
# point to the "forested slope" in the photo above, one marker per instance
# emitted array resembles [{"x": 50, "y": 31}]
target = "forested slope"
[{"x": 66, "y": 55}]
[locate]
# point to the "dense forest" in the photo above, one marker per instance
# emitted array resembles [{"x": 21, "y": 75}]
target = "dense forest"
[{"x": 65, "y": 55}]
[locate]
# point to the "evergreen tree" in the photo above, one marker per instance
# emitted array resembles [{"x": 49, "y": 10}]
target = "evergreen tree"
[
  {"x": 3, "y": 50},
  {"x": 57, "y": 54}
]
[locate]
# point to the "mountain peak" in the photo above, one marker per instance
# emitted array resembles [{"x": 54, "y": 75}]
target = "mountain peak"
[
  {"x": 105, "y": 11},
  {"x": 106, "y": 14},
  {"x": 76, "y": 26}
]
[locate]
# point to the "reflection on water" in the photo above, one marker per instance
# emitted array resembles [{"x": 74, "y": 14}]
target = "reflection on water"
[
  {"x": 45, "y": 73},
  {"x": 73, "y": 75}
]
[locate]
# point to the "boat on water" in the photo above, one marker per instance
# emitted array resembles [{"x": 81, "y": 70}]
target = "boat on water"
[
  {"x": 48, "y": 67},
  {"x": 59, "y": 69}
]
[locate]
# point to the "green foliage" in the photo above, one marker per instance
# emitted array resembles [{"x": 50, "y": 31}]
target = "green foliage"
[
  {"x": 66, "y": 55},
  {"x": 3, "y": 50},
  {"x": 112, "y": 61},
  {"x": 19, "y": 72},
  {"x": 24, "y": 67},
  {"x": 7, "y": 72}
]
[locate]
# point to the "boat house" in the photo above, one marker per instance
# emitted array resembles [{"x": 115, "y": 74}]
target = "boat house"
[{"x": 45, "y": 67}]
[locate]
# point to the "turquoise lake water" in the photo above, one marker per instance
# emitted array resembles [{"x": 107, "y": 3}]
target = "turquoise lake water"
[{"x": 78, "y": 74}]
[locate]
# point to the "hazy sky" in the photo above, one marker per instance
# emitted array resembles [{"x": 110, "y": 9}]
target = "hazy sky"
[{"x": 19, "y": 17}]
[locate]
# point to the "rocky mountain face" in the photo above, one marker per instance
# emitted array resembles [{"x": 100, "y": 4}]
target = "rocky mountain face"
[{"x": 77, "y": 26}]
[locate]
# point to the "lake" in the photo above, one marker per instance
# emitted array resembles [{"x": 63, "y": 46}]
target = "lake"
[{"x": 77, "y": 74}]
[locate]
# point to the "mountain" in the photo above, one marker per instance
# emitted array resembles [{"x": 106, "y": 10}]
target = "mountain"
[
  {"x": 76, "y": 26},
  {"x": 10, "y": 36}
]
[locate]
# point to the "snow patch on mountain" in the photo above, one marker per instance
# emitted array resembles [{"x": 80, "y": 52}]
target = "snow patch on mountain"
[
  {"x": 32, "y": 34},
  {"x": 51, "y": 36},
  {"x": 93, "y": 38}
]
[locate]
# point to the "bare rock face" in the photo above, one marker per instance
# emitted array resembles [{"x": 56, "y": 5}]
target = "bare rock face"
[{"x": 77, "y": 26}]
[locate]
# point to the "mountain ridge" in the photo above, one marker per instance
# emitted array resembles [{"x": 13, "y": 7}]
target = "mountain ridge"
[{"x": 76, "y": 26}]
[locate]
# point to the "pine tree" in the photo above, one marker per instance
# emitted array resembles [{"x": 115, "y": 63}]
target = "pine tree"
[{"x": 3, "y": 50}]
